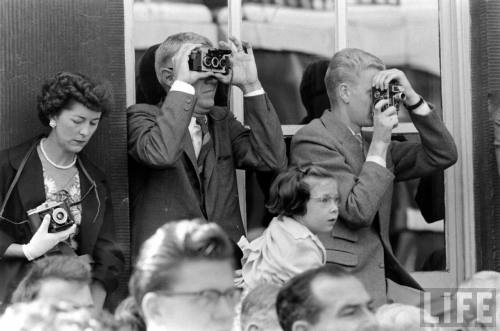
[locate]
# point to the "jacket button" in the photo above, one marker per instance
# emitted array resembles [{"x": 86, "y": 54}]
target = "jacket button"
[{"x": 381, "y": 265}]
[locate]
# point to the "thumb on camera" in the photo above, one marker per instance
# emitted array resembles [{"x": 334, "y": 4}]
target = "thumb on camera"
[{"x": 43, "y": 241}]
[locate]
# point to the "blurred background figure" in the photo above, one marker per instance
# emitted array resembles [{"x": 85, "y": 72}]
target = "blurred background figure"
[
  {"x": 57, "y": 278},
  {"x": 258, "y": 309},
  {"x": 488, "y": 281},
  {"x": 183, "y": 278},
  {"x": 128, "y": 315},
  {"x": 55, "y": 316},
  {"x": 400, "y": 317},
  {"x": 313, "y": 91}
]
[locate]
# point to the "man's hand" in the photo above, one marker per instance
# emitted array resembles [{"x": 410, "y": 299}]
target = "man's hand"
[
  {"x": 384, "y": 122},
  {"x": 181, "y": 66},
  {"x": 382, "y": 79},
  {"x": 243, "y": 72}
]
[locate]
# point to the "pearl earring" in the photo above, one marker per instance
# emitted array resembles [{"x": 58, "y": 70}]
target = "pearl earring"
[{"x": 52, "y": 123}]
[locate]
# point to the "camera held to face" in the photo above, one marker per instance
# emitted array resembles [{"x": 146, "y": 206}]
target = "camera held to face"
[
  {"x": 394, "y": 93},
  {"x": 212, "y": 59},
  {"x": 60, "y": 216}
]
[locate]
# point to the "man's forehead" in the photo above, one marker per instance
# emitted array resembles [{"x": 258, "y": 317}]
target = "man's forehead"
[
  {"x": 192, "y": 275},
  {"x": 338, "y": 292}
]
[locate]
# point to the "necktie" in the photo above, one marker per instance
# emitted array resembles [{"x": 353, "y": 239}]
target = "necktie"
[
  {"x": 206, "y": 146},
  {"x": 362, "y": 144},
  {"x": 206, "y": 143}
]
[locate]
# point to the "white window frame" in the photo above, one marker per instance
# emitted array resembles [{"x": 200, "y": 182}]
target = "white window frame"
[{"x": 454, "y": 25}]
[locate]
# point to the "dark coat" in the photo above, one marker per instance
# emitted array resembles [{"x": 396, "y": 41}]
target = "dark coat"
[
  {"x": 166, "y": 185},
  {"x": 360, "y": 239},
  {"x": 96, "y": 232}
]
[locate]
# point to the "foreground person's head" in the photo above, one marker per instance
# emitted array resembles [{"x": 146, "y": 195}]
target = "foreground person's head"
[
  {"x": 56, "y": 278},
  {"x": 183, "y": 278},
  {"x": 325, "y": 299}
]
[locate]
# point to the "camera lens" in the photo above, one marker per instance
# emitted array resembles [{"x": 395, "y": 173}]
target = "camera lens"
[
  {"x": 60, "y": 215},
  {"x": 215, "y": 62},
  {"x": 207, "y": 61},
  {"x": 400, "y": 96}
]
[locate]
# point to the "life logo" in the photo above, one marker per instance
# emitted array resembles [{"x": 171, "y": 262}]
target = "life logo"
[{"x": 462, "y": 308}]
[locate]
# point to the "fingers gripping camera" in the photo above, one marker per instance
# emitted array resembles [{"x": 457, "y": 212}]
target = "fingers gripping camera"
[
  {"x": 394, "y": 94},
  {"x": 56, "y": 226}
]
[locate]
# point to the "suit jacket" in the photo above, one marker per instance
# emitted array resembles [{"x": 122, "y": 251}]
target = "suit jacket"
[
  {"x": 360, "y": 239},
  {"x": 166, "y": 184},
  {"x": 96, "y": 232}
]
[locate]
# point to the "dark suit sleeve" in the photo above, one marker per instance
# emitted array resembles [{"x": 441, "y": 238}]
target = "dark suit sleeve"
[
  {"x": 108, "y": 258},
  {"x": 360, "y": 195},
  {"x": 436, "y": 151},
  {"x": 262, "y": 146},
  {"x": 156, "y": 135},
  {"x": 6, "y": 177}
]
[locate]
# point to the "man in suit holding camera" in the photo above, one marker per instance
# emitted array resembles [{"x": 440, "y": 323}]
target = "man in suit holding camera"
[
  {"x": 188, "y": 149},
  {"x": 365, "y": 171}
]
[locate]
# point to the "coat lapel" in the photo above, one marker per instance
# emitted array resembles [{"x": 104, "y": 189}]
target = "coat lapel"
[
  {"x": 31, "y": 180},
  {"x": 93, "y": 206},
  {"x": 189, "y": 151},
  {"x": 351, "y": 147},
  {"x": 210, "y": 161}
]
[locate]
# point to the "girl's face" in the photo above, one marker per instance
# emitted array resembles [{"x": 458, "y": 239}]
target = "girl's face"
[
  {"x": 323, "y": 205},
  {"x": 75, "y": 125}
]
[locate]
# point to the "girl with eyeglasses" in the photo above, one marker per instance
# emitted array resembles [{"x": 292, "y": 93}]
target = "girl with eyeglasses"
[{"x": 306, "y": 199}]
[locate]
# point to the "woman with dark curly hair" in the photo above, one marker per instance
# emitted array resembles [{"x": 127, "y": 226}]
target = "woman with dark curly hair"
[{"x": 53, "y": 199}]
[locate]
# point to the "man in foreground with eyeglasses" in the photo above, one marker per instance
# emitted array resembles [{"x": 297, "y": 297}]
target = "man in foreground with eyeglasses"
[
  {"x": 187, "y": 149},
  {"x": 365, "y": 171},
  {"x": 183, "y": 278}
]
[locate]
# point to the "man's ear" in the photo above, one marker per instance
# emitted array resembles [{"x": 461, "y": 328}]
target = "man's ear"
[
  {"x": 166, "y": 77},
  {"x": 252, "y": 327},
  {"x": 150, "y": 306},
  {"x": 344, "y": 93},
  {"x": 301, "y": 325}
]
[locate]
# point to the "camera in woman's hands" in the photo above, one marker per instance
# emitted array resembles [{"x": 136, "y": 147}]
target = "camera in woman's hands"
[{"x": 60, "y": 216}]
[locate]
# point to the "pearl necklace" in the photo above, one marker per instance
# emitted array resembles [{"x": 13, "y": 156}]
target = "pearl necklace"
[{"x": 55, "y": 165}]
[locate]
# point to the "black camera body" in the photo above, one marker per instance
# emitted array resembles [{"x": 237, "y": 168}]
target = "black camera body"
[
  {"x": 60, "y": 216},
  {"x": 394, "y": 93},
  {"x": 212, "y": 59}
]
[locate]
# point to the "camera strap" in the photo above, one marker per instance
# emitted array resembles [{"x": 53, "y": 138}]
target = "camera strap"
[
  {"x": 93, "y": 186},
  {"x": 16, "y": 178}
]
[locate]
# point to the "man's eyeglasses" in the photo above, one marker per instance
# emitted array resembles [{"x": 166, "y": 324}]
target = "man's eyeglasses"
[{"x": 209, "y": 296}]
